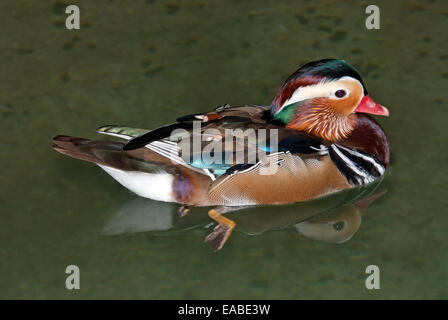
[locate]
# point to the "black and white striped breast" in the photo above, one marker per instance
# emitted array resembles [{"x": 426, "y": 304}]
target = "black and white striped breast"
[{"x": 358, "y": 167}]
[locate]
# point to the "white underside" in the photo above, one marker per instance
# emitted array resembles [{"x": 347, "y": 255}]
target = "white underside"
[{"x": 156, "y": 186}]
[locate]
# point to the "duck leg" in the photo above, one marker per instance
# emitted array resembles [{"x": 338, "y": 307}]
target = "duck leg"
[
  {"x": 183, "y": 210},
  {"x": 218, "y": 237}
]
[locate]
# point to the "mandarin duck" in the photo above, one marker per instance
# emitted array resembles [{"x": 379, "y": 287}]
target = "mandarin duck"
[{"x": 318, "y": 139}]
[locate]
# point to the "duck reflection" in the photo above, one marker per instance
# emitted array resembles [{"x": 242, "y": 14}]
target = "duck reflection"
[
  {"x": 334, "y": 218},
  {"x": 339, "y": 224}
]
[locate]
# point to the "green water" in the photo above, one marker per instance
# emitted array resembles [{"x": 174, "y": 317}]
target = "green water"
[{"x": 144, "y": 63}]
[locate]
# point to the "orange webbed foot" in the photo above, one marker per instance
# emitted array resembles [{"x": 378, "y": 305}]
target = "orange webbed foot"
[{"x": 218, "y": 237}]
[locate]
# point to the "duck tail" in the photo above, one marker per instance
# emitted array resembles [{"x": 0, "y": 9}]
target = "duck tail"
[
  {"x": 87, "y": 150},
  {"x": 142, "y": 171}
]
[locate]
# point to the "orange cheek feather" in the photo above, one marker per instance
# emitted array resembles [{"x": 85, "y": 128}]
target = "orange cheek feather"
[{"x": 321, "y": 118}]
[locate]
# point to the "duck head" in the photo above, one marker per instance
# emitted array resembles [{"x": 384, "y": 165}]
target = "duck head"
[{"x": 322, "y": 98}]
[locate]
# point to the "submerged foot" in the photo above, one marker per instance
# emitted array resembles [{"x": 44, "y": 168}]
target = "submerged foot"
[{"x": 183, "y": 210}]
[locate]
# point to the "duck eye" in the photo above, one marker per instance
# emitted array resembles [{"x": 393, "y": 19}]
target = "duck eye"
[
  {"x": 338, "y": 226},
  {"x": 340, "y": 93}
]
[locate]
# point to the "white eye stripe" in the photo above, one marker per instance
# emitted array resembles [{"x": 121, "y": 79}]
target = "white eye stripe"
[{"x": 321, "y": 89}]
